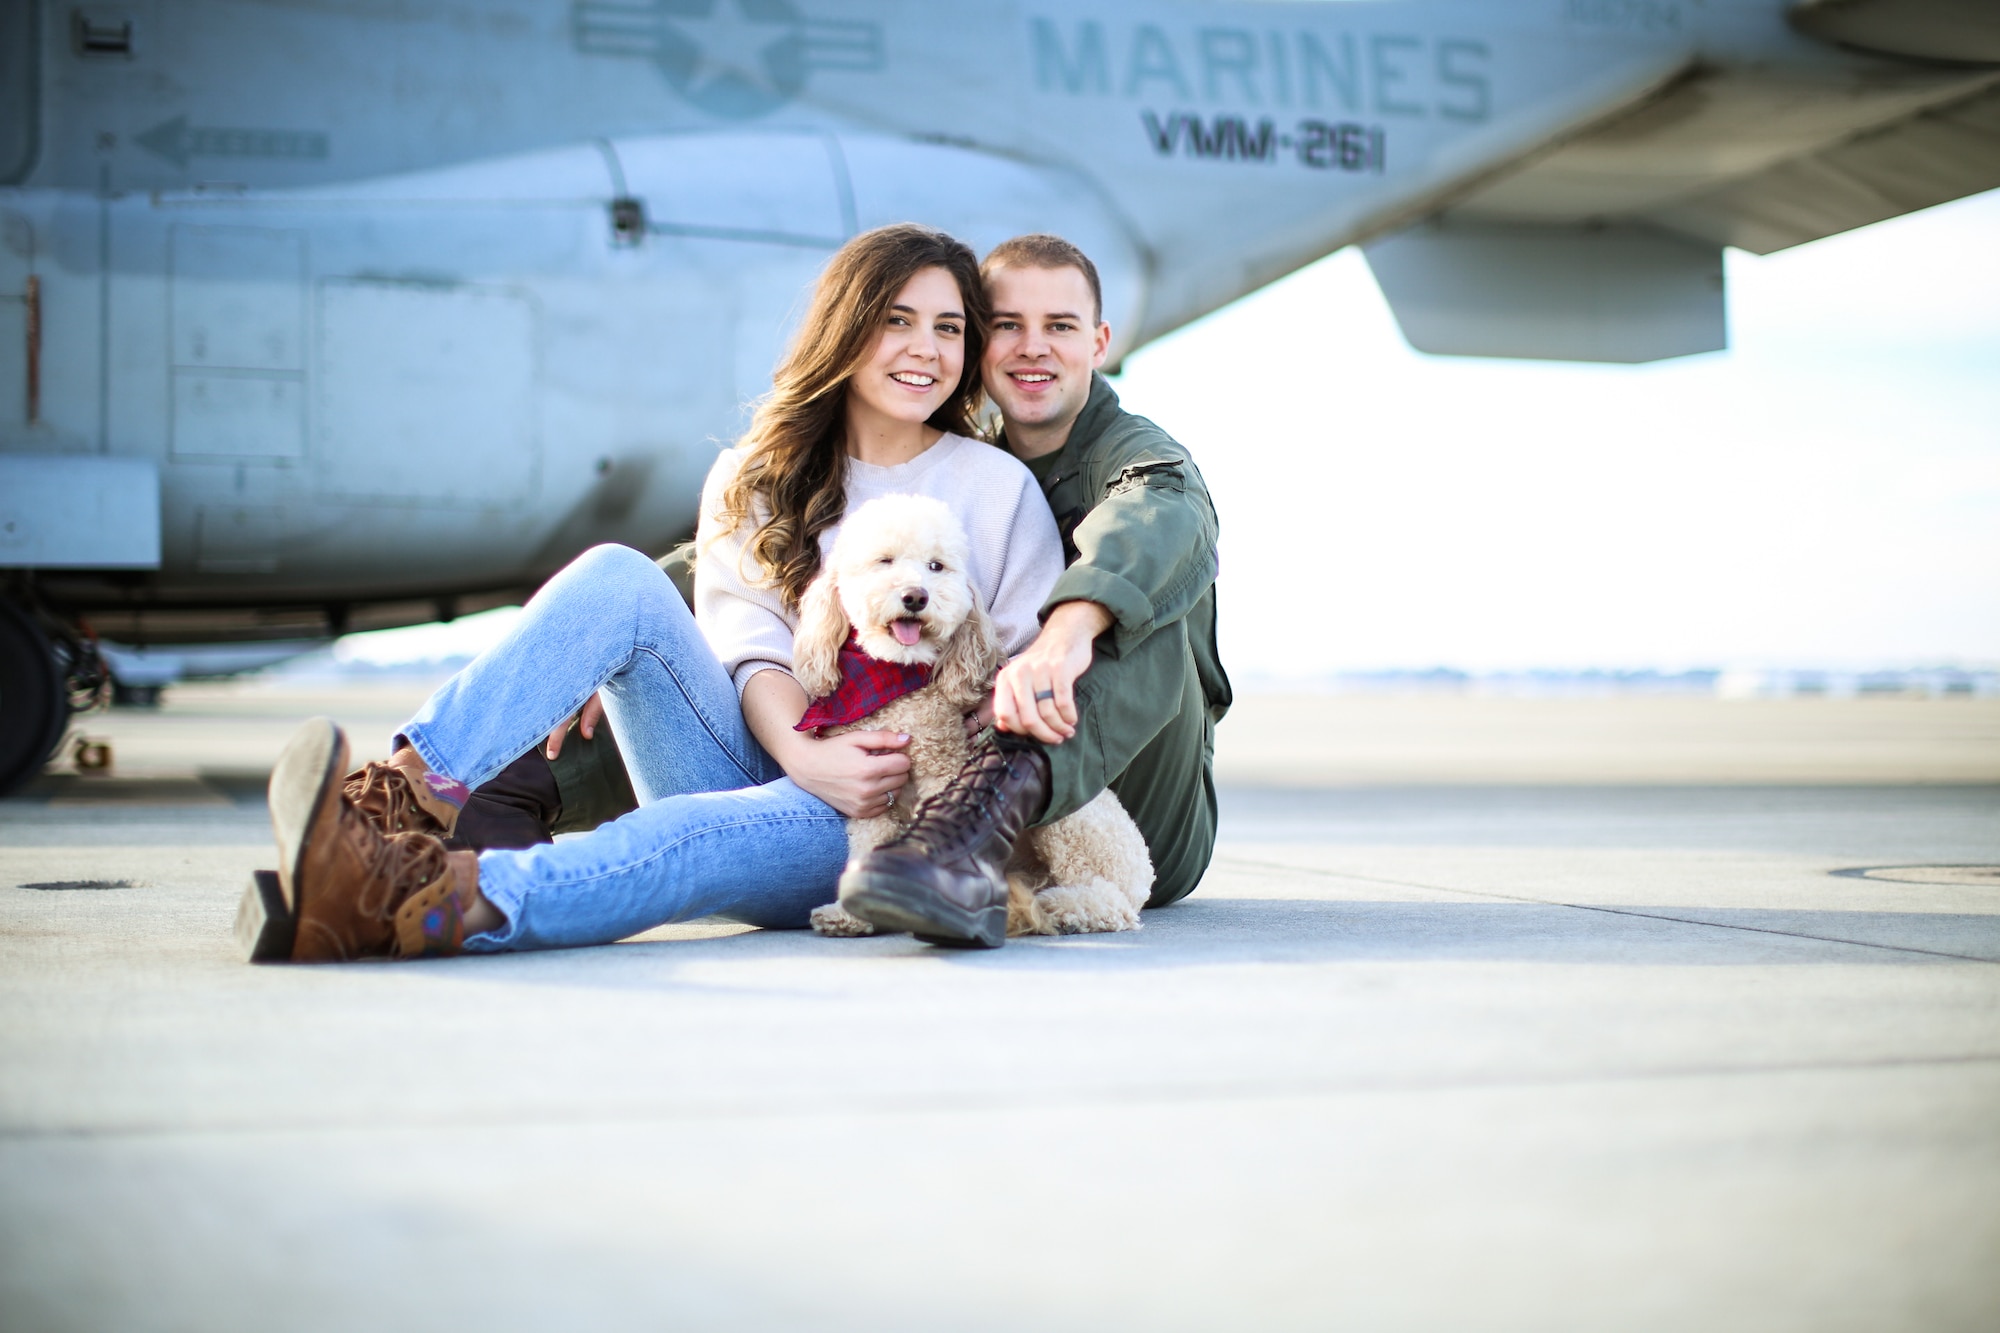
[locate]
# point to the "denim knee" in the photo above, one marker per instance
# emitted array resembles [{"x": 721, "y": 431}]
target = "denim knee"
[
  {"x": 611, "y": 563},
  {"x": 611, "y": 576}
]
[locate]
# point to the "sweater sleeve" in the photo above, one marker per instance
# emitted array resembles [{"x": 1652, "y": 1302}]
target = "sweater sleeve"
[
  {"x": 1030, "y": 565},
  {"x": 746, "y": 624}
]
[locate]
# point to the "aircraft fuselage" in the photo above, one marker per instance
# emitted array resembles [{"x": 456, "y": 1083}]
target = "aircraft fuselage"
[{"x": 408, "y": 305}]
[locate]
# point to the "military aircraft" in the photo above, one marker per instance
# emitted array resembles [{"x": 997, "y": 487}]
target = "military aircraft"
[{"x": 325, "y": 317}]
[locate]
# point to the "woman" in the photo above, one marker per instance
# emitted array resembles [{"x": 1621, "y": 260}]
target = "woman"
[{"x": 740, "y": 814}]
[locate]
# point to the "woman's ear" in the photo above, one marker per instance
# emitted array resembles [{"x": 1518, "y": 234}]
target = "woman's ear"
[
  {"x": 970, "y": 658},
  {"x": 822, "y": 629}
]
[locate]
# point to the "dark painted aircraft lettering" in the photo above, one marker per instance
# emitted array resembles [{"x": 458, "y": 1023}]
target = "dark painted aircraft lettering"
[
  {"x": 1347, "y": 146},
  {"x": 1344, "y": 147},
  {"x": 1226, "y": 137},
  {"x": 1371, "y": 74}
]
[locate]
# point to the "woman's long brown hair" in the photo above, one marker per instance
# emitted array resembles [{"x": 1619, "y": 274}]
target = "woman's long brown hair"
[{"x": 793, "y": 481}]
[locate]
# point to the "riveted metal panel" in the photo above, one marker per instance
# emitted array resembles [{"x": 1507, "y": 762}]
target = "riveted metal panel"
[{"x": 426, "y": 394}]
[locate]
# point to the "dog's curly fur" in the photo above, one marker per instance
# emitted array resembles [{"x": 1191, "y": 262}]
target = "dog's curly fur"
[{"x": 1086, "y": 872}]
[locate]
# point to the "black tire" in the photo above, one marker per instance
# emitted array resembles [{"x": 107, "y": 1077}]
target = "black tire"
[{"x": 34, "y": 702}]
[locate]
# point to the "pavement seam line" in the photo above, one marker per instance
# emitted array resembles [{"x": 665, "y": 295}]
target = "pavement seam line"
[{"x": 1595, "y": 907}]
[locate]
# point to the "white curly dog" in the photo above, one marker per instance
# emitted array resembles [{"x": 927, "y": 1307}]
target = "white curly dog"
[{"x": 1088, "y": 871}]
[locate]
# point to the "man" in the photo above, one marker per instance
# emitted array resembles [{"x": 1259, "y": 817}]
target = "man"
[{"x": 1123, "y": 687}]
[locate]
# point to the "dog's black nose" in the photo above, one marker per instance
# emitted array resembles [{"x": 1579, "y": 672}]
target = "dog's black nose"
[{"x": 916, "y": 600}]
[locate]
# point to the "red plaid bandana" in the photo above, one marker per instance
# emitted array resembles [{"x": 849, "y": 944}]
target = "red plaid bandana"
[{"x": 866, "y": 684}]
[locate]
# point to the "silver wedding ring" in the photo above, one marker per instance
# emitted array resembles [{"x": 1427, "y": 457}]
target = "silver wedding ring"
[{"x": 1044, "y": 694}]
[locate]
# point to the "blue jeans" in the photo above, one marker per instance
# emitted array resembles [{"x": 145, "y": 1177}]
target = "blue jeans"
[{"x": 720, "y": 831}]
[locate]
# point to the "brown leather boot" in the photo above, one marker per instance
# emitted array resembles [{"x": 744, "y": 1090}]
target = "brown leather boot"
[
  {"x": 393, "y": 797},
  {"x": 943, "y": 878},
  {"x": 350, "y": 890}
]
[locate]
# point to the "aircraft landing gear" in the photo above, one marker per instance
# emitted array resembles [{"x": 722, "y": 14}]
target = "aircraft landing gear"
[
  {"x": 34, "y": 698},
  {"x": 48, "y": 671}
]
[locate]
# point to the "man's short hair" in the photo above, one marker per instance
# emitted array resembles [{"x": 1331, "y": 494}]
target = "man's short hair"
[{"x": 1041, "y": 250}]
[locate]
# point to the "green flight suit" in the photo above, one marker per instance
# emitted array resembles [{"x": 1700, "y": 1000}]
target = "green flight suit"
[{"x": 1139, "y": 534}]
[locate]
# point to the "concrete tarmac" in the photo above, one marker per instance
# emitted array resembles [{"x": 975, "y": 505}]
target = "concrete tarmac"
[{"x": 1598, "y": 1016}]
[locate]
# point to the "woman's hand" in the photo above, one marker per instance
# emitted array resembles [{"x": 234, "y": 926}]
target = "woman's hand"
[
  {"x": 857, "y": 774},
  {"x": 980, "y": 718},
  {"x": 586, "y": 722}
]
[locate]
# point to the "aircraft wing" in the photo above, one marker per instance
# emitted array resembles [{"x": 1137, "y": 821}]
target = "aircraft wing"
[
  {"x": 1949, "y": 30},
  {"x": 1607, "y": 245},
  {"x": 1933, "y": 156}
]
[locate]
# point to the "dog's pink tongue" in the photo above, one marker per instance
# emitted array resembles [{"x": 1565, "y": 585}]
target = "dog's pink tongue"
[{"x": 907, "y": 632}]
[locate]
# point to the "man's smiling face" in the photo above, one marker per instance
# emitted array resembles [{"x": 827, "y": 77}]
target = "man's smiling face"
[{"x": 1045, "y": 339}]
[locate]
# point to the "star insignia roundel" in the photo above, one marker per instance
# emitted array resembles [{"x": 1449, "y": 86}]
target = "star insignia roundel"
[{"x": 736, "y": 59}]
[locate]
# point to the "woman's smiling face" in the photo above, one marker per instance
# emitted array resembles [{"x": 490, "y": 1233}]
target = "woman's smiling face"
[{"x": 919, "y": 353}]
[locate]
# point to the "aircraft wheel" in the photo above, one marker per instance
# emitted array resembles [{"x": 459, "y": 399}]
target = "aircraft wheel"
[{"x": 34, "y": 702}]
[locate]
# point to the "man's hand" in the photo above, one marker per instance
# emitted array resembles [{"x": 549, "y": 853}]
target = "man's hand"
[
  {"x": 1035, "y": 694},
  {"x": 586, "y": 722}
]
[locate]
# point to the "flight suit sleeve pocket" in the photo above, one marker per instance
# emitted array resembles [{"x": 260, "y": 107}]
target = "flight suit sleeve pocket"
[{"x": 1166, "y": 475}]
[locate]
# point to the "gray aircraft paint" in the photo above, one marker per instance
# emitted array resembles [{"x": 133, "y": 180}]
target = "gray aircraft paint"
[{"x": 354, "y": 283}]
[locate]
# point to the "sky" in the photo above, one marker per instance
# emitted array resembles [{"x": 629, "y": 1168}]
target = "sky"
[{"x": 1824, "y": 494}]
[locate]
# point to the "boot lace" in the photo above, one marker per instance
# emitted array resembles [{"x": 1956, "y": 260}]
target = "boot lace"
[
  {"x": 383, "y": 795},
  {"x": 398, "y": 866},
  {"x": 961, "y": 812}
]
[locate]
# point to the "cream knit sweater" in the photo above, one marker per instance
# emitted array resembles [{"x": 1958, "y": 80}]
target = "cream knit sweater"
[{"x": 1016, "y": 553}]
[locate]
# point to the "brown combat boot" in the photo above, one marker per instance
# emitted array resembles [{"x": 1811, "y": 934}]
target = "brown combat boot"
[
  {"x": 943, "y": 878},
  {"x": 394, "y": 797},
  {"x": 347, "y": 889}
]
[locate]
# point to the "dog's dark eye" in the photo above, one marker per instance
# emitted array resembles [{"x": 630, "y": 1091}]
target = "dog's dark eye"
[
  {"x": 886, "y": 560},
  {"x": 937, "y": 566}
]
